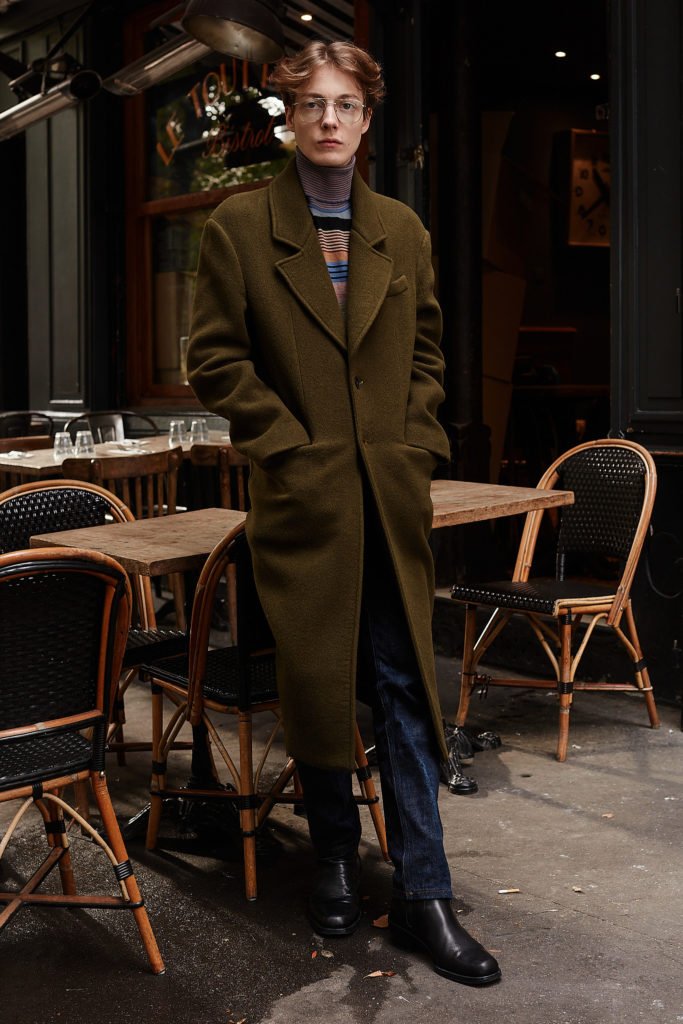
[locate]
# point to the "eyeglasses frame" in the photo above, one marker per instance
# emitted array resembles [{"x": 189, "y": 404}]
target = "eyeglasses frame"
[{"x": 318, "y": 100}]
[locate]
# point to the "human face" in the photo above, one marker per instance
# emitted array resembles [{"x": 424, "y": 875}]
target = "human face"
[{"x": 327, "y": 142}]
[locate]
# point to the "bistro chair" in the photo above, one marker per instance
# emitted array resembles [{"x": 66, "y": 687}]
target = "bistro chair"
[
  {"x": 25, "y": 424},
  {"x": 113, "y": 425},
  {"x": 225, "y": 465},
  {"x": 65, "y": 615},
  {"x": 50, "y": 506},
  {"x": 614, "y": 484},
  {"x": 147, "y": 482},
  {"x": 20, "y": 444},
  {"x": 237, "y": 680}
]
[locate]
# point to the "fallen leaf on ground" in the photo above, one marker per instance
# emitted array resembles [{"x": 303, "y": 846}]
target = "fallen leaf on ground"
[
  {"x": 577, "y": 888},
  {"x": 608, "y": 814},
  {"x": 381, "y": 922},
  {"x": 327, "y": 953},
  {"x": 314, "y": 954},
  {"x": 504, "y": 892},
  {"x": 381, "y": 974}
]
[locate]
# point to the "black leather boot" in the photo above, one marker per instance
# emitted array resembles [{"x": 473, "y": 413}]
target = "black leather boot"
[
  {"x": 334, "y": 904},
  {"x": 431, "y": 926}
]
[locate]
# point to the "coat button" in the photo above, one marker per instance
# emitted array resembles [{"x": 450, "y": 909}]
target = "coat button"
[{"x": 358, "y": 381}]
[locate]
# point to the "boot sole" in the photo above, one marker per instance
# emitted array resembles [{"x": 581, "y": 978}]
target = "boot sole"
[
  {"x": 332, "y": 932},
  {"x": 406, "y": 940}
]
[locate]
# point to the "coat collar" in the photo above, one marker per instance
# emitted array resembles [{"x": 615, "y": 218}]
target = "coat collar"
[{"x": 305, "y": 271}]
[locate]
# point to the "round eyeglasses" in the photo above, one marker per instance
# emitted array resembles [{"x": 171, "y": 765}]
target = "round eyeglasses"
[{"x": 313, "y": 110}]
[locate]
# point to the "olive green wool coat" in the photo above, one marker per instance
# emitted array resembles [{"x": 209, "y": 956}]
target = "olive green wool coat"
[{"x": 312, "y": 400}]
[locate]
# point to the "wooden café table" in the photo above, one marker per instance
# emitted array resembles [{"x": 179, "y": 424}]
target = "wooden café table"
[
  {"x": 182, "y": 542},
  {"x": 41, "y": 464}
]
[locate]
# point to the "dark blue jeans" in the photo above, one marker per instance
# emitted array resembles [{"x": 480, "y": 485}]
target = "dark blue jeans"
[{"x": 407, "y": 750}]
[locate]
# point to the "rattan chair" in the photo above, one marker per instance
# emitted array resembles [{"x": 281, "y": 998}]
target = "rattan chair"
[
  {"x": 614, "y": 486},
  {"x": 237, "y": 680},
  {"x": 113, "y": 425},
  {"x": 65, "y": 616},
  {"x": 49, "y": 506},
  {"x": 26, "y": 423},
  {"x": 231, "y": 470}
]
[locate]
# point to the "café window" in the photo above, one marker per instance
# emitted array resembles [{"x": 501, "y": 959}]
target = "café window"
[{"x": 212, "y": 129}]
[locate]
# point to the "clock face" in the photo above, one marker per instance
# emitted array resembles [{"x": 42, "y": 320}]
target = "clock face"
[{"x": 589, "y": 198}]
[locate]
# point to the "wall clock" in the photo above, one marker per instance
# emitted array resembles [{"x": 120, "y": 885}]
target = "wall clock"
[{"x": 589, "y": 194}]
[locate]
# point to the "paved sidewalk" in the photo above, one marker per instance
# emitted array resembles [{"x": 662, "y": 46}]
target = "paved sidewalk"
[{"x": 592, "y": 937}]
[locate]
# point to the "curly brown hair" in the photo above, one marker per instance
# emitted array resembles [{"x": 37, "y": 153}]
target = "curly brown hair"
[{"x": 291, "y": 73}]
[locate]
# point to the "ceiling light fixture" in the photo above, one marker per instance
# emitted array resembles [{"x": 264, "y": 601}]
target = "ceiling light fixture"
[
  {"x": 307, "y": 17},
  {"x": 560, "y": 53},
  {"x": 250, "y": 29},
  {"x": 83, "y": 85},
  {"x": 48, "y": 84},
  {"x": 595, "y": 78},
  {"x": 156, "y": 66}
]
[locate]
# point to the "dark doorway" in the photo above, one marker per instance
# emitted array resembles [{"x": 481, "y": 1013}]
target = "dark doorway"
[
  {"x": 543, "y": 79},
  {"x": 13, "y": 323}
]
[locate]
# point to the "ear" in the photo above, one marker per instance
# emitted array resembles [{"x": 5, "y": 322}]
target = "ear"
[
  {"x": 366, "y": 122},
  {"x": 289, "y": 113}
]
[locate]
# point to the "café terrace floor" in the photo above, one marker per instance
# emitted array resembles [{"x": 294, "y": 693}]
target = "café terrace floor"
[{"x": 593, "y": 936}]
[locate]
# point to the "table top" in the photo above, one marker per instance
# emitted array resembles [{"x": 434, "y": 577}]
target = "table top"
[
  {"x": 182, "y": 542},
  {"x": 153, "y": 547},
  {"x": 41, "y": 464},
  {"x": 463, "y": 501}
]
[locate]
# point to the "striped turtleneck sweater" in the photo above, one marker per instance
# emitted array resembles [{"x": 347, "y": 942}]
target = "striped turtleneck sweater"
[{"x": 328, "y": 194}]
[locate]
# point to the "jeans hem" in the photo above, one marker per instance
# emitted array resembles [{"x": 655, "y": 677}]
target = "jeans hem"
[{"x": 424, "y": 894}]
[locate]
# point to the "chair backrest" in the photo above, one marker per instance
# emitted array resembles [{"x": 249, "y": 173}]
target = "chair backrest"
[
  {"x": 147, "y": 482},
  {"x": 31, "y": 443},
  {"x": 254, "y": 637},
  {"x": 614, "y": 484},
  {"x": 25, "y": 423},
  {"x": 50, "y": 506},
  {"x": 232, "y": 470},
  {"x": 113, "y": 425},
  {"x": 65, "y": 616}
]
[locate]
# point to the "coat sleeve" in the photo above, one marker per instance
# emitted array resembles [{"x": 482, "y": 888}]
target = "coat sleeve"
[
  {"x": 219, "y": 360},
  {"x": 426, "y": 383}
]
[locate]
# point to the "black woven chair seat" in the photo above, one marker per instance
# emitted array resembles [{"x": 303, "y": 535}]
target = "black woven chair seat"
[
  {"x": 33, "y": 758},
  {"x": 222, "y": 675},
  {"x": 539, "y": 595},
  {"x": 145, "y": 645}
]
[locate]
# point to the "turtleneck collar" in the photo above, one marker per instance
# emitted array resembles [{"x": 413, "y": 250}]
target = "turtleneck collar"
[{"x": 330, "y": 183}]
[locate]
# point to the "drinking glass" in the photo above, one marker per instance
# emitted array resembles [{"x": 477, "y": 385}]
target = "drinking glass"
[
  {"x": 176, "y": 433},
  {"x": 84, "y": 443},
  {"x": 199, "y": 432},
  {"x": 63, "y": 446}
]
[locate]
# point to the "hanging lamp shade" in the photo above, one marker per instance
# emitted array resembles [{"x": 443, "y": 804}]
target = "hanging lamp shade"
[{"x": 249, "y": 29}]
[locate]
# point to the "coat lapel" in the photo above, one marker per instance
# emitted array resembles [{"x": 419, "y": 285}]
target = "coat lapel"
[
  {"x": 305, "y": 271},
  {"x": 370, "y": 271}
]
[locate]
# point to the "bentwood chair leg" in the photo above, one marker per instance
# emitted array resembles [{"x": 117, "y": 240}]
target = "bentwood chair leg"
[
  {"x": 55, "y": 831},
  {"x": 565, "y": 686},
  {"x": 467, "y": 674},
  {"x": 246, "y": 805},
  {"x": 158, "y": 781},
  {"x": 646, "y": 688},
  {"x": 117, "y": 844},
  {"x": 367, "y": 785}
]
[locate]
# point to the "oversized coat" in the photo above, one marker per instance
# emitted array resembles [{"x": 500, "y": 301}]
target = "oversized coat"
[{"x": 313, "y": 401}]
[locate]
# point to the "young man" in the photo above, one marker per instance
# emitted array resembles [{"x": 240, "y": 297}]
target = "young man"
[{"x": 316, "y": 333}]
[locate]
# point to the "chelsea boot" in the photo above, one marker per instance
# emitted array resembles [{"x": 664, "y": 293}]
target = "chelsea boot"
[
  {"x": 431, "y": 926},
  {"x": 334, "y": 904}
]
